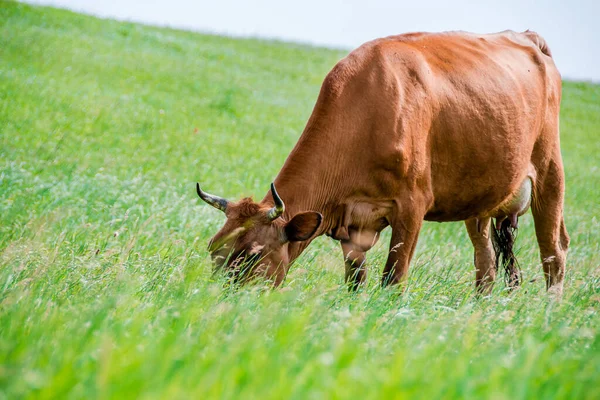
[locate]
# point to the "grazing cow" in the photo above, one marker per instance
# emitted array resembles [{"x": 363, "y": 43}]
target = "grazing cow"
[{"x": 423, "y": 126}]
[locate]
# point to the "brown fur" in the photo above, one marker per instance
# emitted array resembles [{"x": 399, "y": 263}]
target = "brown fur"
[
  {"x": 539, "y": 41},
  {"x": 440, "y": 127},
  {"x": 243, "y": 209}
]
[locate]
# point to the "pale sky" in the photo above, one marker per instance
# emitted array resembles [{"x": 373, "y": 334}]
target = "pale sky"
[{"x": 571, "y": 28}]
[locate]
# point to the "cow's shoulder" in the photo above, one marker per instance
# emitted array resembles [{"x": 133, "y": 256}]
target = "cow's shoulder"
[{"x": 376, "y": 62}]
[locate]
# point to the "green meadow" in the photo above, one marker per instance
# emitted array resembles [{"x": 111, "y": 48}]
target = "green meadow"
[{"x": 106, "y": 288}]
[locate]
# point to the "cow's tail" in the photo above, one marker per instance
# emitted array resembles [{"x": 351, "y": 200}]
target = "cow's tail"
[
  {"x": 539, "y": 41},
  {"x": 503, "y": 240}
]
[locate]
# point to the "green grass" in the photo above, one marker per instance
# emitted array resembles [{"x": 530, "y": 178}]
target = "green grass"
[{"x": 105, "y": 283}]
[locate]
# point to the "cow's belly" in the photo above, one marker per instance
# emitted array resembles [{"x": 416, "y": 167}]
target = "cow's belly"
[{"x": 508, "y": 197}]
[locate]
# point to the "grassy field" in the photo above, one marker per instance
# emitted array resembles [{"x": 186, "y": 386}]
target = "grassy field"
[{"x": 105, "y": 281}]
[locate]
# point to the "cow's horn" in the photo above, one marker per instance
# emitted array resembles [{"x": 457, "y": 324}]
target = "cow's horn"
[
  {"x": 217, "y": 202},
  {"x": 279, "y": 208}
]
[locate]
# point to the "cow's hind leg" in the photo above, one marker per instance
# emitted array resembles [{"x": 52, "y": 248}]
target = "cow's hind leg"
[
  {"x": 356, "y": 269},
  {"x": 552, "y": 236},
  {"x": 485, "y": 256}
]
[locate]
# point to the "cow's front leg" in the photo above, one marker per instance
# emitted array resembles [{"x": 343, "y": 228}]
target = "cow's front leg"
[
  {"x": 405, "y": 232},
  {"x": 356, "y": 269},
  {"x": 355, "y": 247}
]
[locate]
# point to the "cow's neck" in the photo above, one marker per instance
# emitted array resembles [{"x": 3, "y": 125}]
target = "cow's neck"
[
  {"x": 309, "y": 178},
  {"x": 310, "y": 181}
]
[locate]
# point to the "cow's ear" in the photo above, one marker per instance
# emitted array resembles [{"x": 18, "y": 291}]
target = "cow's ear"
[{"x": 303, "y": 226}]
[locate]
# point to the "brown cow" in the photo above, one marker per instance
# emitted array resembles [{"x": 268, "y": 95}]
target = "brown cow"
[{"x": 423, "y": 126}]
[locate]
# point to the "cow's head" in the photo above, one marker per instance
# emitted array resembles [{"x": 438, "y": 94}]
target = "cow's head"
[{"x": 254, "y": 242}]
